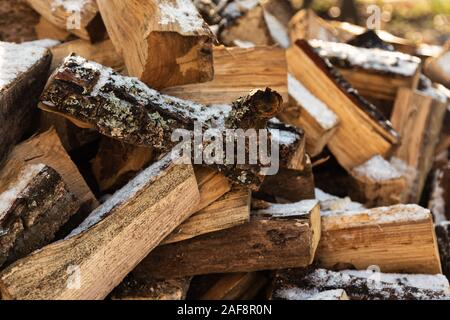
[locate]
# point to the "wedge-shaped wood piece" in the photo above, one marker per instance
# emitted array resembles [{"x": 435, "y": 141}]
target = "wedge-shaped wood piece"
[
  {"x": 211, "y": 184},
  {"x": 34, "y": 203},
  {"x": 399, "y": 238},
  {"x": 112, "y": 240},
  {"x": 230, "y": 210},
  {"x": 236, "y": 286},
  {"x": 360, "y": 285},
  {"x": 46, "y": 30},
  {"x": 279, "y": 236},
  {"x": 127, "y": 110},
  {"x": 375, "y": 134},
  {"x": 102, "y": 52},
  {"x": 23, "y": 73},
  {"x": 236, "y": 72},
  {"x": 308, "y": 112},
  {"x": 437, "y": 68},
  {"x": 151, "y": 289},
  {"x": 46, "y": 148},
  {"x": 418, "y": 118},
  {"x": 80, "y": 17},
  {"x": 377, "y": 183},
  {"x": 443, "y": 236},
  {"x": 164, "y": 42}
]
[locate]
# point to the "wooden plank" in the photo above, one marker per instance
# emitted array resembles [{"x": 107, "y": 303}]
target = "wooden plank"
[{"x": 112, "y": 240}]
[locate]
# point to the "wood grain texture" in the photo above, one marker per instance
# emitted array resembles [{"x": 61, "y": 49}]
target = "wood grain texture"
[
  {"x": 350, "y": 149},
  {"x": 46, "y": 30},
  {"x": 236, "y": 72},
  {"x": 114, "y": 246},
  {"x": 263, "y": 243},
  {"x": 37, "y": 209},
  {"x": 418, "y": 118},
  {"x": 46, "y": 148},
  {"x": 164, "y": 42},
  {"x": 230, "y": 210},
  {"x": 18, "y": 99},
  {"x": 393, "y": 238},
  {"x": 86, "y": 23}
]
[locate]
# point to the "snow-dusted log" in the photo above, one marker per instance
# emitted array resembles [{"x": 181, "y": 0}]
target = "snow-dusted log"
[
  {"x": 34, "y": 203},
  {"x": 278, "y": 236},
  {"x": 359, "y": 285},
  {"x": 23, "y": 72},
  {"x": 111, "y": 241}
]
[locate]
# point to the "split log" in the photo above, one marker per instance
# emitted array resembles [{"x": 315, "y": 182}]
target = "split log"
[
  {"x": 102, "y": 52},
  {"x": 308, "y": 112},
  {"x": 35, "y": 203},
  {"x": 23, "y": 72},
  {"x": 291, "y": 142},
  {"x": 230, "y": 210},
  {"x": 377, "y": 183},
  {"x": 112, "y": 240},
  {"x": 374, "y": 73},
  {"x": 163, "y": 42},
  {"x": 291, "y": 185},
  {"x": 80, "y": 17},
  {"x": 236, "y": 72},
  {"x": 375, "y": 134},
  {"x": 125, "y": 109},
  {"x": 256, "y": 23},
  {"x": 116, "y": 163},
  {"x": 46, "y": 30},
  {"x": 236, "y": 286},
  {"x": 443, "y": 238},
  {"x": 418, "y": 118},
  {"x": 360, "y": 285},
  {"x": 151, "y": 289},
  {"x": 400, "y": 238},
  {"x": 211, "y": 184},
  {"x": 17, "y": 21},
  {"x": 280, "y": 236},
  {"x": 46, "y": 148},
  {"x": 439, "y": 203}
]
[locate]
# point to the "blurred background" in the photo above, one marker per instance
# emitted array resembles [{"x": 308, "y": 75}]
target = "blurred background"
[{"x": 417, "y": 20}]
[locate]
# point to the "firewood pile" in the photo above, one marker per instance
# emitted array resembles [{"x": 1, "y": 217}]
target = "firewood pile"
[{"x": 99, "y": 201}]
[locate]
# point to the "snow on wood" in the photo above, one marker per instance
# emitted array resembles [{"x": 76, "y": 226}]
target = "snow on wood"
[
  {"x": 378, "y": 169},
  {"x": 289, "y": 210}
]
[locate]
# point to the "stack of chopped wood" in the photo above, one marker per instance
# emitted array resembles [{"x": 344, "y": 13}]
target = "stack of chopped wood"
[{"x": 96, "y": 201}]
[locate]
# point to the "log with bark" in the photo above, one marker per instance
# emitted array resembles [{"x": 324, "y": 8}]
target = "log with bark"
[
  {"x": 439, "y": 202},
  {"x": 112, "y": 240},
  {"x": 359, "y": 285},
  {"x": 374, "y": 73},
  {"x": 163, "y": 42},
  {"x": 279, "y": 236},
  {"x": 23, "y": 72},
  {"x": 80, "y": 17},
  {"x": 399, "y": 238},
  {"x": 375, "y": 133},
  {"x": 230, "y": 210},
  {"x": 443, "y": 238},
  {"x": 125, "y": 109},
  {"x": 34, "y": 203}
]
